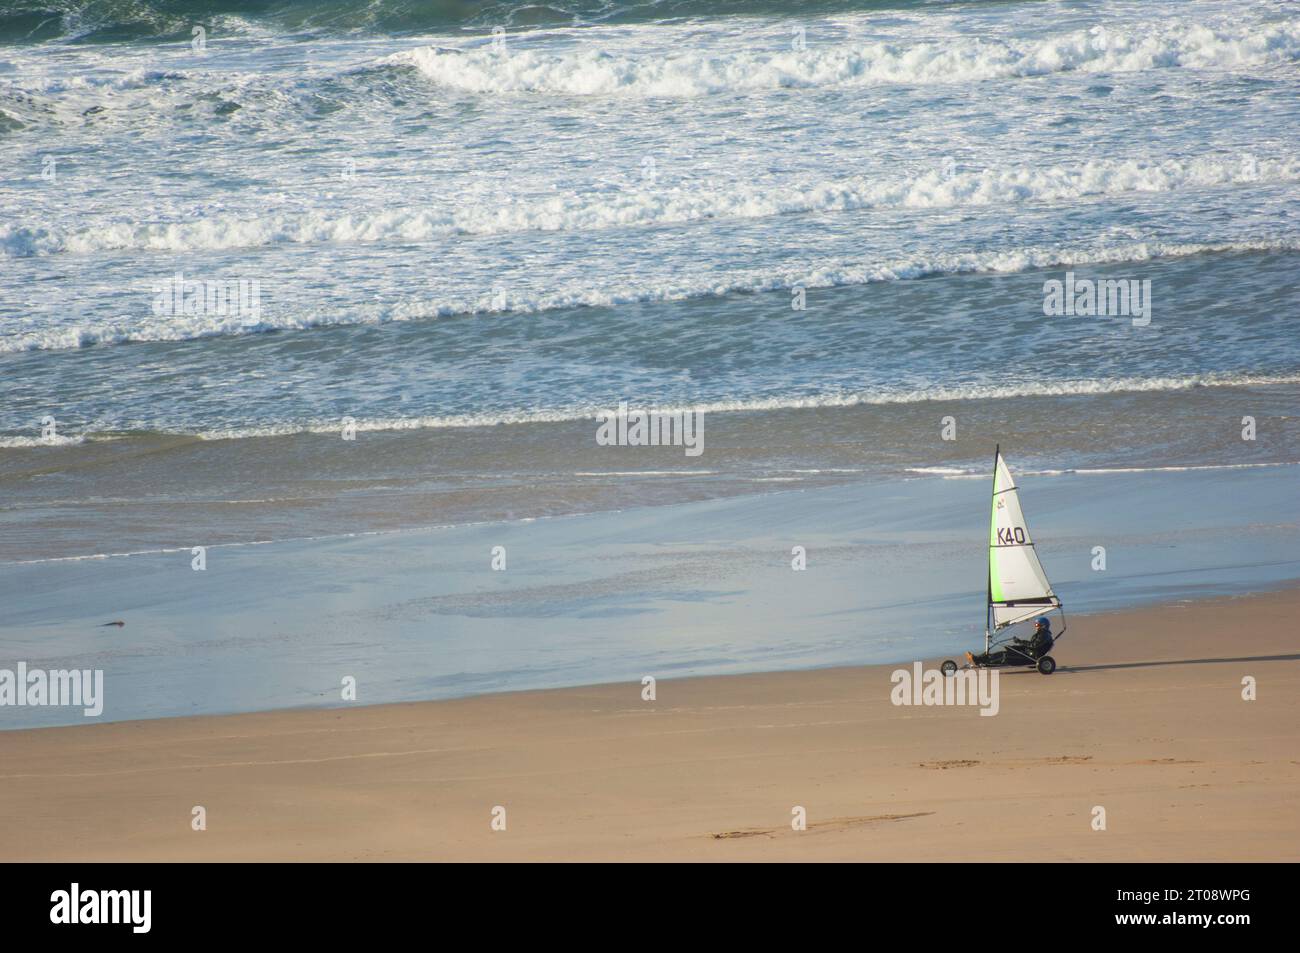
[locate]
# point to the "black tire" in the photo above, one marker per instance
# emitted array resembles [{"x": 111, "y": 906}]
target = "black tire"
[
  {"x": 949, "y": 668},
  {"x": 1046, "y": 665}
]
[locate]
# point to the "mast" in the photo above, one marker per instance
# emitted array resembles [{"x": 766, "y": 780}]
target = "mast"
[{"x": 988, "y": 568}]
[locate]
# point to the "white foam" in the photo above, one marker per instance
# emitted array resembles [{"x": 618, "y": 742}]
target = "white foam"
[
  {"x": 642, "y": 473},
  {"x": 939, "y": 471},
  {"x": 56, "y": 84},
  {"x": 1175, "y": 469},
  {"x": 700, "y": 72},
  {"x": 820, "y": 470},
  {"x": 648, "y": 205},
  {"x": 57, "y": 440},
  {"x": 960, "y": 473},
  {"x": 963, "y": 473}
]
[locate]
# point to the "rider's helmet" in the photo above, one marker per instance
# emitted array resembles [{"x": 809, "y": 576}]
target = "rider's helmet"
[{"x": 1043, "y": 622}]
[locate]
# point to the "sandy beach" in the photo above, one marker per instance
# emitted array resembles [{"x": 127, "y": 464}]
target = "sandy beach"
[
  {"x": 1145, "y": 718},
  {"x": 582, "y": 431}
]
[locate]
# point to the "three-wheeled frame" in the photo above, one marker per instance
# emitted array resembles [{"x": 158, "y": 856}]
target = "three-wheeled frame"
[{"x": 1016, "y": 657}]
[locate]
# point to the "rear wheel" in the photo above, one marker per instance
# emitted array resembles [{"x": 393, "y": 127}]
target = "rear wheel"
[
  {"x": 1047, "y": 665},
  {"x": 949, "y": 667}
]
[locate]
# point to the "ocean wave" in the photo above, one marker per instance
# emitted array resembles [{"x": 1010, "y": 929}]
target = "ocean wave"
[
  {"x": 1063, "y": 388},
  {"x": 90, "y": 21},
  {"x": 1055, "y": 388},
  {"x": 939, "y": 471},
  {"x": 56, "y": 84},
  {"x": 644, "y": 473},
  {"x": 645, "y": 205},
  {"x": 827, "y": 274},
  {"x": 57, "y": 440},
  {"x": 594, "y": 72}
]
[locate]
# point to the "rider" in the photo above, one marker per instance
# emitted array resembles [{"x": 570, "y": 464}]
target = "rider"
[{"x": 1037, "y": 645}]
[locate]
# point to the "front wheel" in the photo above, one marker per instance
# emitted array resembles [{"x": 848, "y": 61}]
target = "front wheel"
[
  {"x": 1047, "y": 665},
  {"x": 948, "y": 668}
]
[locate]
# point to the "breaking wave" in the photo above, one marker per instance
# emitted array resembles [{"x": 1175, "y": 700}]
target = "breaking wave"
[
  {"x": 579, "y": 211},
  {"x": 696, "y": 72},
  {"x": 1064, "y": 388},
  {"x": 94, "y": 21}
]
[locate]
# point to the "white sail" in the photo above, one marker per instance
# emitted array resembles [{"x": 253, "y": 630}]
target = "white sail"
[{"x": 1018, "y": 587}]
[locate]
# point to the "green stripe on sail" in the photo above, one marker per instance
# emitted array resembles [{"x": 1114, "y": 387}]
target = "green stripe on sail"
[{"x": 995, "y": 584}]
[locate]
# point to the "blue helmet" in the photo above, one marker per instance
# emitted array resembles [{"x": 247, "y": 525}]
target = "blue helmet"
[{"x": 1044, "y": 621}]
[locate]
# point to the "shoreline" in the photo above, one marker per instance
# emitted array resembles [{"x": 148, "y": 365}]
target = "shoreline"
[
  {"x": 863, "y": 478},
  {"x": 704, "y": 587},
  {"x": 146, "y": 492},
  {"x": 1143, "y": 718}
]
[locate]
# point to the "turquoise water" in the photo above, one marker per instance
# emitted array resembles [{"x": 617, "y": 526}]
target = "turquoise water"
[{"x": 457, "y": 227}]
